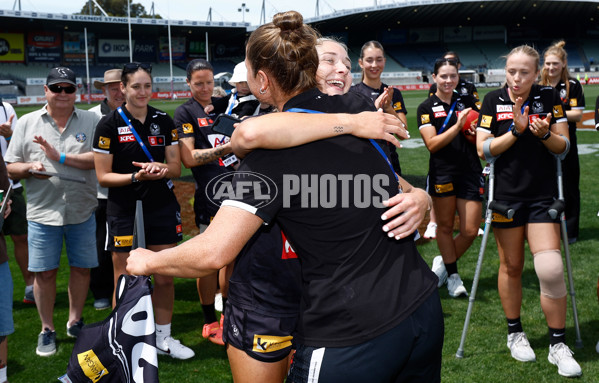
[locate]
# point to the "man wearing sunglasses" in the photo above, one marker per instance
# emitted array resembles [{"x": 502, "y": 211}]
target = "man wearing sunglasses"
[{"x": 57, "y": 139}]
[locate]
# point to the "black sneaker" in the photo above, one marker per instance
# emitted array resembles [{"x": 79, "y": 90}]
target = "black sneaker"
[
  {"x": 46, "y": 343},
  {"x": 75, "y": 329}
]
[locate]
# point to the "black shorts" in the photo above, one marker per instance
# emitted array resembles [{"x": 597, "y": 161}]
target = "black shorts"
[
  {"x": 525, "y": 212},
  {"x": 162, "y": 227},
  {"x": 16, "y": 222},
  {"x": 264, "y": 338},
  {"x": 409, "y": 352},
  {"x": 469, "y": 186}
]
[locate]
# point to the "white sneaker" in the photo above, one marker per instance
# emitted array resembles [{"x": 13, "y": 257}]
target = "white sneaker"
[
  {"x": 431, "y": 231},
  {"x": 174, "y": 348},
  {"x": 438, "y": 268},
  {"x": 520, "y": 348},
  {"x": 561, "y": 356},
  {"x": 455, "y": 286}
]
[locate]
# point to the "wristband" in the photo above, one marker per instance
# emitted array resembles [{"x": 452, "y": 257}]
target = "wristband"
[
  {"x": 133, "y": 179},
  {"x": 63, "y": 158},
  {"x": 7, "y": 138},
  {"x": 546, "y": 136},
  {"x": 515, "y": 132}
]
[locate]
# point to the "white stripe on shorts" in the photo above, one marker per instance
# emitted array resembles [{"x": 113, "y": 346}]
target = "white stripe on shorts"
[{"x": 315, "y": 365}]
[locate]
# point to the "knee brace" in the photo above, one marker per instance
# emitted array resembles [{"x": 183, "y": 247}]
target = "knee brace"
[{"x": 550, "y": 271}]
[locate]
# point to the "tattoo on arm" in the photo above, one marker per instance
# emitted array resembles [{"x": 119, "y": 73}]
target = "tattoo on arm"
[
  {"x": 338, "y": 129},
  {"x": 206, "y": 157}
]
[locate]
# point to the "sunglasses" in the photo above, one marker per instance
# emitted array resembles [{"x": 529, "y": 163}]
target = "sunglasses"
[
  {"x": 54, "y": 88},
  {"x": 133, "y": 67},
  {"x": 444, "y": 60}
]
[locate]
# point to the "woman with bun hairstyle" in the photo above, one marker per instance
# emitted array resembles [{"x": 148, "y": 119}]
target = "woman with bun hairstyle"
[
  {"x": 370, "y": 310},
  {"x": 523, "y": 126},
  {"x": 136, "y": 153},
  {"x": 555, "y": 73},
  {"x": 455, "y": 173}
]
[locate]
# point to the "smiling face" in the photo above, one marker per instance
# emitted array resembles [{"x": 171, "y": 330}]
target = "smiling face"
[
  {"x": 521, "y": 73},
  {"x": 114, "y": 95},
  {"x": 60, "y": 100},
  {"x": 334, "y": 68},
  {"x": 446, "y": 79},
  {"x": 372, "y": 63},
  {"x": 138, "y": 90}
]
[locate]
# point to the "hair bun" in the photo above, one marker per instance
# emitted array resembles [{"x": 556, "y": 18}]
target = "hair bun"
[{"x": 288, "y": 21}]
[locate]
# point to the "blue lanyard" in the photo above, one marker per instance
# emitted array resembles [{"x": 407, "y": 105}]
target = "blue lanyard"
[
  {"x": 448, "y": 117},
  {"x": 231, "y": 103},
  {"x": 373, "y": 142},
  {"x": 137, "y": 138}
]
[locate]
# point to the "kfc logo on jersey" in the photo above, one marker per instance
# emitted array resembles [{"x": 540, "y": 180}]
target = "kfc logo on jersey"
[
  {"x": 504, "y": 108},
  {"x": 505, "y": 116},
  {"x": 124, "y": 130},
  {"x": 156, "y": 140},
  {"x": 128, "y": 138},
  {"x": 440, "y": 114},
  {"x": 288, "y": 252}
]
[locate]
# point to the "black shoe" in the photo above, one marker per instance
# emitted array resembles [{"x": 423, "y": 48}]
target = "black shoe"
[{"x": 75, "y": 329}]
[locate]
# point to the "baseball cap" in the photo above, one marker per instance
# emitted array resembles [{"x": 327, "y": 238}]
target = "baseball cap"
[
  {"x": 61, "y": 74},
  {"x": 240, "y": 73},
  {"x": 110, "y": 76}
]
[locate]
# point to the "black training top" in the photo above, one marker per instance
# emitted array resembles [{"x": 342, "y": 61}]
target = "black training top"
[
  {"x": 526, "y": 171},
  {"x": 357, "y": 283},
  {"x": 398, "y": 105},
  {"x": 113, "y": 136},
  {"x": 191, "y": 121},
  {"x": 464, "y": 88},
  {"x": 459, "y": 156},
  {"x": 575, "y": 100}
]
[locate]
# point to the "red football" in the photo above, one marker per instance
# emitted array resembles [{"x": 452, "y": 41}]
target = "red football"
[{"x": 471, "y": 121}]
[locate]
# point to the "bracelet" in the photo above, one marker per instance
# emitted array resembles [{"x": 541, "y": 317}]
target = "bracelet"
[
  {"x": 546, "y": 136},
  {"x": 133, "y": 179},
  {"x": 63, "y": 158},
  {"x": 7, "y": 138}
]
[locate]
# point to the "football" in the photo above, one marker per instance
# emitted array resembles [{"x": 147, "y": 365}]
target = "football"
[{"x": 471, "y": 121}]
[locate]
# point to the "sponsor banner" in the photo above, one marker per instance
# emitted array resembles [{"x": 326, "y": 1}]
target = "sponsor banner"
[
  {"x": 36, "y": 100},
  {"x": 413, "y": 87},
  {"x": 457, "y": 34},
  {"x": 177, "y": 94},
  {"x": 113, "y": 48},
  {"x": 145, "y": 50},
  {"x": 177, "y": 45},
  {"x": 167, "y": 80},
  {"x": 74, "y": 47},
  {"x": 43, "y": 47},
  {"x": 95, "y": 97},
  {"x": 488, "y": 32},
  {"x": 196, "y": 49},
  {"x": 593, "y": 80},
  {"x": 496, "y": 72},
  {"x": 12, "y": 47},
  {"x": 487, "y": 84},
  {"x": 393, "y": 75}
]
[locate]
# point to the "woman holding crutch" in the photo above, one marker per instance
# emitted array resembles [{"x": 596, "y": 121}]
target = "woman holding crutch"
[{"x": 528, "y": 126}]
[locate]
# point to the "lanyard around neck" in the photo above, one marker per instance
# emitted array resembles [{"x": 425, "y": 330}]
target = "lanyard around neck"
[{"x": 137, "y": 138}]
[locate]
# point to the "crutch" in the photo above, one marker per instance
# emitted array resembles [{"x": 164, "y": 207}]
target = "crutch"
[
  {"x": 139, "y": 234},
  {"x": 491, "y": 206},
  {"x": 557, "y": 208}
]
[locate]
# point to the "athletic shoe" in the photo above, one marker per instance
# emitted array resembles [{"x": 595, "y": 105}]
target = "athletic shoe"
[
  {"x": 102, "y": 303},
  {"x": 431, "y": 231},
  {"x": 455, "y": 286},
  {"x": 561, "y": 356},
  {"x": 46, "y": 343},
  {"x": 29, "y": 298},
  {"x": 480, "y": 232},
  {"x": 520, "y": 348},
  {"x": 213, "y": 332},
  {"x": 438, "y": 268},
  {"x": 218, "y": 302},
  {"x": 74, "y": 330},
  {"x": 174, "y": 348}
]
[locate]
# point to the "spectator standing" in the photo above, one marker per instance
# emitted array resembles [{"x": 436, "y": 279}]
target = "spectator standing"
[
  {"x": 16, "y": 223},
  {"x": 57, "y": 138},
  {"x": 6, "y": 320},
  {"x": 102, "y": 278}
]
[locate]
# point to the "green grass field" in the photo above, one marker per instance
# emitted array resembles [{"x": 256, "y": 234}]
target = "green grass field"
[{"x": 486, "y": 359}]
